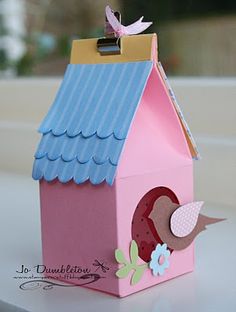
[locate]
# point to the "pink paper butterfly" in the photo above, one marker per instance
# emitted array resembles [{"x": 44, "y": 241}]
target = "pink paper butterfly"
[{"x": 121, "y": 30}]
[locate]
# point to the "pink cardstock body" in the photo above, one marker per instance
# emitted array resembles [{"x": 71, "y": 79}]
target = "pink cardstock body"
[{"x": 82, "y": 223}]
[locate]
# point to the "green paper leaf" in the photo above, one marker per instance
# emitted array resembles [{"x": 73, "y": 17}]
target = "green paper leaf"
[
  {"x": 133, "y": 266},
  {"x": 124, "y": 271},
  {"x": 138, "y": 274},
  {"x": 134, "y": 252},
  {"x": 119, "y": 255}
]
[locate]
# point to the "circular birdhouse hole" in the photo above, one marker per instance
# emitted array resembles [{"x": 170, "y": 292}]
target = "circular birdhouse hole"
[{"x": 143, "y": 229}]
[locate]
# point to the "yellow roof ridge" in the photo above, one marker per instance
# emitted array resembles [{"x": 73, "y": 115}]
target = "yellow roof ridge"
[{"x": 133, "y": 49}]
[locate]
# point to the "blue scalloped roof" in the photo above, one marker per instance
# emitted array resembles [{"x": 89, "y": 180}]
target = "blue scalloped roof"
[{"x": 85, "y": 129}]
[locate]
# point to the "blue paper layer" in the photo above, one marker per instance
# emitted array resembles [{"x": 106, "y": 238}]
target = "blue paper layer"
[
  {"x": 84, "y": 131},
  {"x": 83, "y": 149},
  {"x": 73, "y": 170}
]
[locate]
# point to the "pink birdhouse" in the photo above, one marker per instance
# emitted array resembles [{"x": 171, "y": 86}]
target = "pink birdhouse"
[{"x": 116, "y": 171}]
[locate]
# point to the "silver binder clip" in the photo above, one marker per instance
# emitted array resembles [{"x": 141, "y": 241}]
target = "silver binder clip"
[{"x": 110, "y": 44}]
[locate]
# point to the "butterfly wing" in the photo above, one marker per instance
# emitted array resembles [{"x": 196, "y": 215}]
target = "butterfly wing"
[
  {"x": 137, "y": 27},
  {"x": 115, "y": 24}
]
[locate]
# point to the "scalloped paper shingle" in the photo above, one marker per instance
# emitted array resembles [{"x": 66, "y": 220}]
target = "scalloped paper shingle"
[
  {"x": 73, "y": 170},
  {"x": 85, "y": 129},
  {"x": 83, "y": 149}
]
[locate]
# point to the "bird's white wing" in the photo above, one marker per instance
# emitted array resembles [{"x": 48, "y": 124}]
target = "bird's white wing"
[{"x": 184, "y": 219}]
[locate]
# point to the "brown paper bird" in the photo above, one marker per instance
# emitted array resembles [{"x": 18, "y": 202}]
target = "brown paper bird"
[{"x": 176, "y": 225}]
